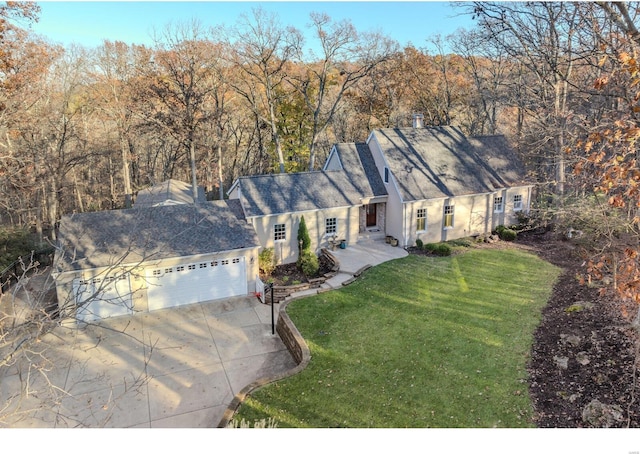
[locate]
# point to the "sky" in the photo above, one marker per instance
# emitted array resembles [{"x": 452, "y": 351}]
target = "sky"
[{"x": 133, "y": 22}]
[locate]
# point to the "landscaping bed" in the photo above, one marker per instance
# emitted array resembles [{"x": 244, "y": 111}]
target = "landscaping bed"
[
  {"x": 289, "y": 274},
  {"x": 582, "y": 363}
]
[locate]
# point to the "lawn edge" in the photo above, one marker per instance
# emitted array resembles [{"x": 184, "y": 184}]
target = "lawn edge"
[{"x": 286, "y": 329}]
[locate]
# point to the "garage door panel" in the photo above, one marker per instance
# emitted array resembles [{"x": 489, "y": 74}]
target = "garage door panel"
[
  {"x": 100, "y": 298},
  {"x": 196, "y": 282}
]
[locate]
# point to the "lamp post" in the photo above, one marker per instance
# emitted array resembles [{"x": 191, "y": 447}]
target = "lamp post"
[{"x": 273, "y": 320}]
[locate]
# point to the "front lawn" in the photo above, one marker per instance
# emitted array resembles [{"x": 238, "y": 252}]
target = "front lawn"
[{"x": 417, "y": 342}]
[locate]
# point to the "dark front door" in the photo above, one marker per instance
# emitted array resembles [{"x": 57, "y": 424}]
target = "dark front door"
[{"x": 371, "y": 215}]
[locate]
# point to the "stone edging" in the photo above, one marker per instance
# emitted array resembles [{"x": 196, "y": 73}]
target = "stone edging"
[
  {"x": 297, "y": 347},
  {"x": 292, "y": 339},
  {"x": 283, "y": 292}
]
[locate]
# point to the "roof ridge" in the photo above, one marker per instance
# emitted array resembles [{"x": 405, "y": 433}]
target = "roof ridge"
[{"x": 274, "y": 175}]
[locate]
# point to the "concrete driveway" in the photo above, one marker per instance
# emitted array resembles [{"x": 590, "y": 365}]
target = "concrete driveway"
[{"x": 178, "y": 367}]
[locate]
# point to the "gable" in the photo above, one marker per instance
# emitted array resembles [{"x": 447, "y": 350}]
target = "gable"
[
  {"x": 441, "y": 162},
  {"x": 169, "y": 192},
  {"x": 358, "y": 163}
]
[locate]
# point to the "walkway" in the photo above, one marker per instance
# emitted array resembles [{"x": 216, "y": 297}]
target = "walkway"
[{"x": 353, "y": 259}]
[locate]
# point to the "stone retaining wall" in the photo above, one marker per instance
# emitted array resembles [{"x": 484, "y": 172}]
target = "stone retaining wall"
[{"x": 282, "y": 292}]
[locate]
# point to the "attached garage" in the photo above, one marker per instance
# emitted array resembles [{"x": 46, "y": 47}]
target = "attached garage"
[
  {"x": 103, "y": 297},
  {"x": 163, "y": 256},
  {"x": 196, "y": 282}
]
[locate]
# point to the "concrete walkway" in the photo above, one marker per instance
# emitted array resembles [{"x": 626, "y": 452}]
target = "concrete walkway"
[
  {"x": 353, "y": 260},
  {"x": 178, "y": 367}
]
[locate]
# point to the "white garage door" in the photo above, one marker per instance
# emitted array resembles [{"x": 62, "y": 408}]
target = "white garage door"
[
  {"x": 103, "y": 297},
  {"x": 196, "y": 282}
]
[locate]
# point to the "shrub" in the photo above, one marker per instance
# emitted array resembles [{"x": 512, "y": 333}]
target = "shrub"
[
  {"x": 419, "y": 243},
  {"x": 430, "y": 247},
  {"x": 500, "y": 229},
  {"x": 440, "y": 249},
  {"x": 508, "y": 235},
  {"x": 14, "y": 242},
  {"x": 303, "y": 235},
  {"x": 443, "y": 250},
  {"x": 266, "y": 261},
  {"x": 308, "y": 263}
]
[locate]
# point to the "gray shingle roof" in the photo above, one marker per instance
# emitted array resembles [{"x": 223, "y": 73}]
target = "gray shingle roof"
[
  {"x": 357, "y": 161},
  {"x": 103, "y": 238},
  {"x": 170, "y": 190},
  {"x": 439, "y": 162},
  {"x": 293, "y": 192}
]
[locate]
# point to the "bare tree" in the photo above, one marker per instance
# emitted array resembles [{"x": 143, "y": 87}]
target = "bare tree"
[
  {"x": 347, "y": 57},
  {"x": 114, "y": 90},
  {"x": 262, "y": 49},
  {"x": 184, "y": 75}
]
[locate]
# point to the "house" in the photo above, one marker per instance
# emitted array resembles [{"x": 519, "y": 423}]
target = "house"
[
  {"x": 443, "y": 185},
  {"x": 429, "y": 184},
  {"x": 432, "y": 184},
  {"x": 118, "y": 262},
  {"x": 332, "y": 201}
]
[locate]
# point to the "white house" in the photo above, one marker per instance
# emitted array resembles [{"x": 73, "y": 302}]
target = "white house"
[
  {"x": 432, "y": 184},
  {"x": 119, "y": 262}
]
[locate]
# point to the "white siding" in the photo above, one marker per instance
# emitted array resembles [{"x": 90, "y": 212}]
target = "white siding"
[{"x": 287, "y": 251}]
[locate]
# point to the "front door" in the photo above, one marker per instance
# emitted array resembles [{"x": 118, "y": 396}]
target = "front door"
[{"x": 371, "y": 215}]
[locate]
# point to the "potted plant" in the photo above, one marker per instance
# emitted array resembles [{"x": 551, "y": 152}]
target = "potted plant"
[
  {"x": 393, "y": 242},
  {"x": 343, "y": 244}
]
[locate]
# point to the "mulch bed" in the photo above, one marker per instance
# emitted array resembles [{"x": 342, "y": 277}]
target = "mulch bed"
[
  {"x": 289, "y": 274},
  {"x": 581, "y": 358}
]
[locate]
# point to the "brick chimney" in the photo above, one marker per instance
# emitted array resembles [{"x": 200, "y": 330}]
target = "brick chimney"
[{"x": 418, "y": 120}]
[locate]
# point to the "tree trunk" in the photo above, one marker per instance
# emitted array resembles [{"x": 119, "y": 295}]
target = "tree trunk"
[
  {"x": 194, "y": 178},
  {"x": 220, "y": 182},
  {"x": 77, "y": 191},
  {"x": 126, "y": 176}
]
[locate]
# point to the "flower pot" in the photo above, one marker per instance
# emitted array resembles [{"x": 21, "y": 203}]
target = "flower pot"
[
  {"x": 393, "y": 242},
  {"x": 343, "y": 244}
]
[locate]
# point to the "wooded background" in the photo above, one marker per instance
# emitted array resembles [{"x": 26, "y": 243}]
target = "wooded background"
[{"x": 84, "y": 129}]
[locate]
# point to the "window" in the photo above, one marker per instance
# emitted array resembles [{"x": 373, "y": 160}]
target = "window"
[
  {"x": 497, "y": 205},
  {"x": 448, "y": 217},
  {"x": 517, "y": 202},
  {"x": 279, "y": 232},
  {"x": 386, "y": 174},
  {"x": 157, "y": 272},
  {"x": 421, "y": 225},
  {"x": 191, "y": 267},
  {"x": 236, "y": 260},
  {"x": 179, "y": 268},
  {"x": 215, "y": 263},
  {"x": 331, "y": 226},
  {"x": 224, "y": 262}
]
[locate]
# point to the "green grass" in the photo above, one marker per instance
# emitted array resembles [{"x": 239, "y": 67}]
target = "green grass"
[{"x": 417, "y": 342}]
